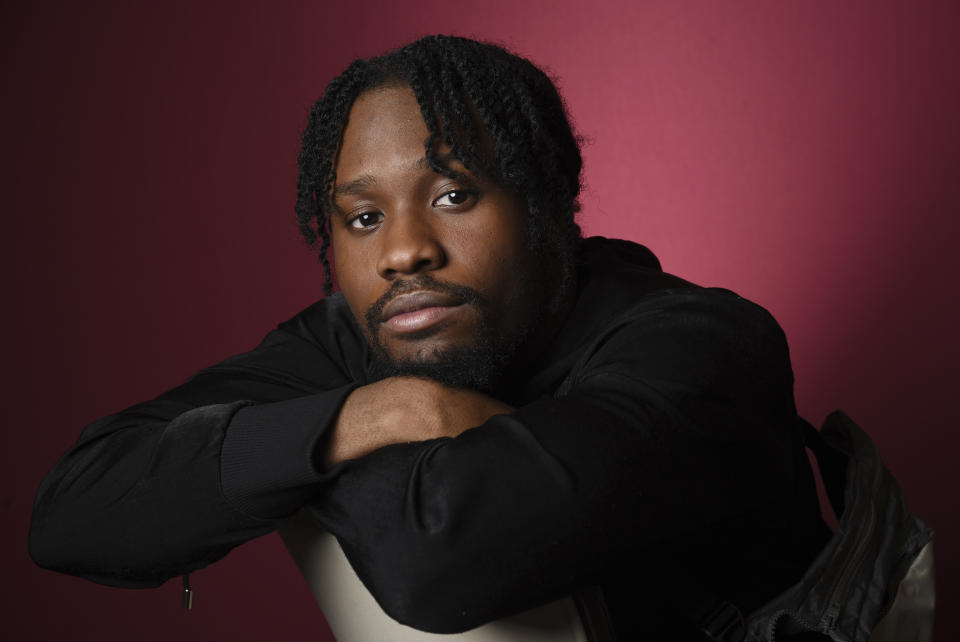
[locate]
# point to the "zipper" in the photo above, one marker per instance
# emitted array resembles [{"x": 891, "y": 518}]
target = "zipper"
[
  {"x": 186, "y": 599},
  {"x": 772, "y": 626},
  {"x": 862, "y": 541}
]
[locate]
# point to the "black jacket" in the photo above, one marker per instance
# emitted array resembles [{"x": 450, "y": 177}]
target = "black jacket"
[{"x": 654, "y": 452}]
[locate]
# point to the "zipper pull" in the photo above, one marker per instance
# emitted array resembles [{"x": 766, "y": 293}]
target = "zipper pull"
[{"x": 187, "y": 595}]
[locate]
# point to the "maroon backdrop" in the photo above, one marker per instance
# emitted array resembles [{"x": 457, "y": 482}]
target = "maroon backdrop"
[{"x": 804, "y": 154}]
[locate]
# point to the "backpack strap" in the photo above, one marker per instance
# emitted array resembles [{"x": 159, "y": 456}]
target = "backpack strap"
[{"x": 831, "y": 461}]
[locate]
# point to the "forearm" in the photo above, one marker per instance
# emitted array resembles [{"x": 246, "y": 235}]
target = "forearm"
[
  {"x": 136, "y": 505},
  {"x": 139, "y": 500},
  {"x": 172, "y": 484}
]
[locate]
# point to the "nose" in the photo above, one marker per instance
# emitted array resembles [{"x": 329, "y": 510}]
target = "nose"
[{"x": 409, "y": 244}]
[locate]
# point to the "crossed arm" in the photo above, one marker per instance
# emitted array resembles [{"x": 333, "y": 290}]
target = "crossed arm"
[
  {"x": 449, "y": 527},
  {"x": 402, "y": 410}
]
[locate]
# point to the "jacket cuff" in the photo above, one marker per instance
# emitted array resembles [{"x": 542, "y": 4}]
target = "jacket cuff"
[{"x": 267, "y": 463}]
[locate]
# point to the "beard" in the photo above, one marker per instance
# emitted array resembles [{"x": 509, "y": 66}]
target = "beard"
[{"x": 479, "y": 365}]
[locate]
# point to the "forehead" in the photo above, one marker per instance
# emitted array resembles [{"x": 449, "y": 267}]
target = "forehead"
[{"x": 384, "y": 128}]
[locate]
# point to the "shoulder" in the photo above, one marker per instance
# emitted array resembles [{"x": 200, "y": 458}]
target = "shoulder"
[
  {"x": 709, "y": 329},
  {"x": 647, "y": 325},
  {"x": 314, "y": 344},
  {"x": 327, "y": 322},
  {"x": 623, "y": 288}
]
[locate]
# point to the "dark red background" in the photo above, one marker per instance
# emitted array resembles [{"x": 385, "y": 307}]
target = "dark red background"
[{"x": 805, "y": 154}]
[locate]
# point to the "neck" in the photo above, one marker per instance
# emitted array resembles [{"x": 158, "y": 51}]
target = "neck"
[{"x": 529, "y": 357}]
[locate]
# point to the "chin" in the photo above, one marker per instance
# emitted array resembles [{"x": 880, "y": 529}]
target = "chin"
[
  {"x": 449, "y": 373},
  {"x": 426, "y": 351},
  {"x": 477, "y": 366}
]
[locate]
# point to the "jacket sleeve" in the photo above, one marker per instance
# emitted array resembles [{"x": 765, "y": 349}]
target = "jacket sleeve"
[
  {"x": 678, "y": 417},
  {"x": 173, "y": 484}
]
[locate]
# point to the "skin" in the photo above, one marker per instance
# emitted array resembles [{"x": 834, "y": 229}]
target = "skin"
[{"x": 398, "y": 231}]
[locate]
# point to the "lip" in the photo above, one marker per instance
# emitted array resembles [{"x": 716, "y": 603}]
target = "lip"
[{"x": 418, "y": 310}]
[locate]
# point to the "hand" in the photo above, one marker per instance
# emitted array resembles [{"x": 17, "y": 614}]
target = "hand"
[{"x": 403, "y": 409}]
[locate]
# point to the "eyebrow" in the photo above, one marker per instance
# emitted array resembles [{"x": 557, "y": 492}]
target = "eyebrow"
[
  {"x": 352, "y": 188},
  {"x": 361, "y": 184}
]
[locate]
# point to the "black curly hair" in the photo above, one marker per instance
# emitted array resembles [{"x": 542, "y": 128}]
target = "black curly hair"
[{"x": 498, "y": 114}]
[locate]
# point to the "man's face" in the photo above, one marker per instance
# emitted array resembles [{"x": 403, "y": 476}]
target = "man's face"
[{"x": 437, "y": 271}]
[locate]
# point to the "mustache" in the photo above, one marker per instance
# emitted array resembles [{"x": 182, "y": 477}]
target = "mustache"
[{"x": 460, "y": 294}]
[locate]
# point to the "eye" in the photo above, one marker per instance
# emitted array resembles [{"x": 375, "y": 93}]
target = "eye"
[
  {"x": 365, "y": 220},
  {"x": 454, "y": 198}
]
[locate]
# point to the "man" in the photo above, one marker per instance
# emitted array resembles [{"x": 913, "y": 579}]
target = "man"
[{"x": 491, "y": 414}]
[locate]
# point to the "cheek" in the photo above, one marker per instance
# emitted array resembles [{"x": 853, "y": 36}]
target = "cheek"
[
  {"x": 354, "y": 283},
  {"x": 498, "y": 239},
  {"x": 503, "y": 266},
  {"x": 482, "y": 257}
]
